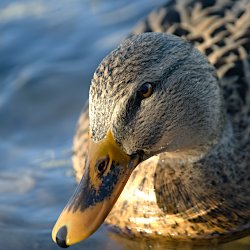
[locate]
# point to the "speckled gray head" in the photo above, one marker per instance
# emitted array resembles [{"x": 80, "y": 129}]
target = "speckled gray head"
[{"x": 183, "y": 113}]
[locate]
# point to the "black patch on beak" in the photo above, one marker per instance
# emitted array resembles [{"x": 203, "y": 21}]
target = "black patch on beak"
[
  {"x": 61, "y": 237},
  {"x": 86, "y": 195}
]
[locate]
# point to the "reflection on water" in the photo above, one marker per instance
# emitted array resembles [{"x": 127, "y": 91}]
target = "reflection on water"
[
  {"x": 49, "y": 50},
  {"x": 129, "y": 244}
]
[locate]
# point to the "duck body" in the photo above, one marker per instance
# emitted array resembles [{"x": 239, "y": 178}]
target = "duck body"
[
  {"x": 176, "y": 194},
  {"x": 170, "y": 199}
]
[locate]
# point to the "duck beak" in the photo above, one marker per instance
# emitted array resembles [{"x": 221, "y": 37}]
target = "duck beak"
[{"x": 105, "y": 175}]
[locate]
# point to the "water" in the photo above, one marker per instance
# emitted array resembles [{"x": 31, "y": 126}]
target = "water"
[{"x": 48, "y": 52}]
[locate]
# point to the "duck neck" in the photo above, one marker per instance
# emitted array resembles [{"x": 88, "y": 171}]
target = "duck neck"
[
  {"x": 226, "y": 144},
  {"x": 216, "y": 167},
  {"x": 203, "y": 183}
]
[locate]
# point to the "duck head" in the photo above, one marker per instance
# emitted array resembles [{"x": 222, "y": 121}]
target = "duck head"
[{"x": 155, "y": 93}]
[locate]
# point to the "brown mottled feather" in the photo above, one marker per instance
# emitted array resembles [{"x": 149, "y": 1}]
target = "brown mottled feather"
[
  {"x": 80, "y": 143},
  {"x": 167, "y": 202}
]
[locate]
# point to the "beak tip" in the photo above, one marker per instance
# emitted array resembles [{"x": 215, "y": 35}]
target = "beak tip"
[{"x": 61, "y": 237}]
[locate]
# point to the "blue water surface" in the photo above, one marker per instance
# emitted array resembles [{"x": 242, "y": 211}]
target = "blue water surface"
[{"x": 48, "y": 52}]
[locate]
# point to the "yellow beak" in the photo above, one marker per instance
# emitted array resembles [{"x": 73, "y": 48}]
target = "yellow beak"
[{"x": 105, "y": 175}]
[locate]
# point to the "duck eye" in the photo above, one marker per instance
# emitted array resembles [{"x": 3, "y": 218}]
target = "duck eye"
[{"x": 146, "y": 90}]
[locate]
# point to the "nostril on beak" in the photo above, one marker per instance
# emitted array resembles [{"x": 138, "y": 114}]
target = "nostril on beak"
[{"x": 61, "y": 237}]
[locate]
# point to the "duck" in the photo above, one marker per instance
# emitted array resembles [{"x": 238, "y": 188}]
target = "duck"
[{"x": 162, "y": 147}]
